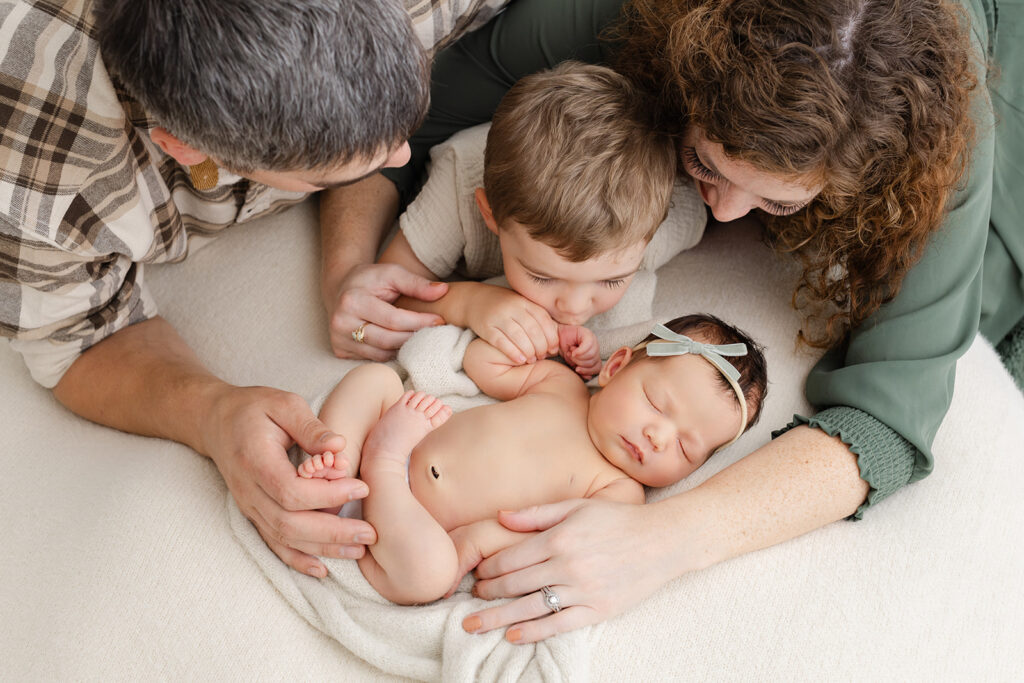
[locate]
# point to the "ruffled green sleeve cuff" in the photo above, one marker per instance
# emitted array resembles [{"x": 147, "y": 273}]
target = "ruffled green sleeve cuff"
[{"x": 885, "y": 458}]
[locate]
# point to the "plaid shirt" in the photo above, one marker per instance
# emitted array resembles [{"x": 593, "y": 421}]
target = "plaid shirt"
[{"x": 86, "y": 198}]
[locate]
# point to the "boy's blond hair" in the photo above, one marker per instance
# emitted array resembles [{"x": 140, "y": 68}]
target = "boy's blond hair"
[{"x": 571, "y": 156}]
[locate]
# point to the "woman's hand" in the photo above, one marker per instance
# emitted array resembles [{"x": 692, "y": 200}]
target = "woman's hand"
[
  {"x": 247, "y": 434},
  {"x": 363, "y": 302},
  {"x": 598, "y": 557}
]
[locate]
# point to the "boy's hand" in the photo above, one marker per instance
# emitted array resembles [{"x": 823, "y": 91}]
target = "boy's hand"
[
  {"x": 514, "y": 325},
  {"x": 578, "y": 346}
]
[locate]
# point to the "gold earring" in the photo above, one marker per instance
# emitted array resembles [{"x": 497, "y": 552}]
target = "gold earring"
[{"x": 204, "y": 175}]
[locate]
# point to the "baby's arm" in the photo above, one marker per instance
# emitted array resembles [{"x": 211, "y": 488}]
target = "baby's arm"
[
  {"x": 578, "y": 346},
  {"x": 499, "y": 377},
  {"x": 623, "y": 490}
]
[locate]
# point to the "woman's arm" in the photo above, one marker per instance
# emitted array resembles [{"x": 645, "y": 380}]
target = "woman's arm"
[{"x": 607, "y": 557}]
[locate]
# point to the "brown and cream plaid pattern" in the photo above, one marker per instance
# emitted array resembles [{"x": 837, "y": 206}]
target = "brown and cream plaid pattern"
[{"x": 86, "y": 198}]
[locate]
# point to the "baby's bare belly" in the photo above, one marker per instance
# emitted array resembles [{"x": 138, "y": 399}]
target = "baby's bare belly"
[{"x": 501, "y": 457}]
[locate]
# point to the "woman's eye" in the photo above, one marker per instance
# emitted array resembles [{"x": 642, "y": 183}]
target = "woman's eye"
[
  {"x": 697, "y": 166},
  {"x": 777, "y": 209},
  {"x": 612, "y": 284}
]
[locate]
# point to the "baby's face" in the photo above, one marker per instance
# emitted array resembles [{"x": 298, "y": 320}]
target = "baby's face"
[
  {"x": 571, "y": 293},
  {"x": 659, "y": 420}
]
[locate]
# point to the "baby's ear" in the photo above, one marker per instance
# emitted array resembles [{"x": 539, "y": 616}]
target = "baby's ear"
[
  {"x": 615, "y": 362},
  {"x": 485, "y": 209}
]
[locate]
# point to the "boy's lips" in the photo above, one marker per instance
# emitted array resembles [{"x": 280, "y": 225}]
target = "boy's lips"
[{"x": 637, "y": 454}]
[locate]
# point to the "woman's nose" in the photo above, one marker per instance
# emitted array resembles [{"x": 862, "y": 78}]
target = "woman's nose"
[{"x": 729, "y": 203}]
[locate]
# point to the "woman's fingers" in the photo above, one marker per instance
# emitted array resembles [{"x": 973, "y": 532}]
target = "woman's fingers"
[{"x": 518, "y": 582}]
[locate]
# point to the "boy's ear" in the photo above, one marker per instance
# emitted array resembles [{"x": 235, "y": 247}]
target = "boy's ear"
[
  {"x": 183, "y": 153},
  {"x": 485, "y": 209},
  {"x": 615, "y": 362}
]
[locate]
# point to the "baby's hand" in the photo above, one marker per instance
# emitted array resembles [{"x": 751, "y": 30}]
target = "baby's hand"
[
  {"x": 514, "y": 325},
  {"x": 578, "y": 346}
]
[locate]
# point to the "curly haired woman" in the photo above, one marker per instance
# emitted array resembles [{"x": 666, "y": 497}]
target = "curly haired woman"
[{"x": 878, "y": 146}]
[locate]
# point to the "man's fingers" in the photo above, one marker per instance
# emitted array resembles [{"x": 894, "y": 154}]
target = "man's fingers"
[
  {"x": 299, "y": 561},
  {"x": 383, "y": 314},
  {"x": 313, "y": 531},
  {"x": 418, "y": 287}
]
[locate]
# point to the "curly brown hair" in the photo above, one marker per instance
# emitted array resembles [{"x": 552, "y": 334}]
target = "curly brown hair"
[{"x": 870, "y": 97}]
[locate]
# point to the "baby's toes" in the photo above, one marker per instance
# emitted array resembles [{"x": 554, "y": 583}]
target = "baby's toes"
[{"x": 440, "y": 416}]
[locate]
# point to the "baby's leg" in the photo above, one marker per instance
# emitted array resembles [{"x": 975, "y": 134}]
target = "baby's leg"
[
  {"x": 414, "y": 559},
  {"x": 352, "y": 409}
]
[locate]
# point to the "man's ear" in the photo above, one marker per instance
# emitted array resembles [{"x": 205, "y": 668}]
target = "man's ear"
[
  {"x": 485, "y": 209},
  {"x": 183, "y": 153},
  {"x": 615, "y": 362}
]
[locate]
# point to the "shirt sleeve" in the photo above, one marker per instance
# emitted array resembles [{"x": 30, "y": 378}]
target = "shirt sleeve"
[
  {"x": 60, "y": 300},
  {"x": 434, "y": 223},
  {"x": 682, "y": 228}
]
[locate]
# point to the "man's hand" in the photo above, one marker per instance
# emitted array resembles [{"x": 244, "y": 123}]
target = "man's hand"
[
  {"x": 509, "y": 322},
  {"x": 578, "y": 346},
  {"x": 364, "y": 301},
  {"x": 248, "y": 433}
]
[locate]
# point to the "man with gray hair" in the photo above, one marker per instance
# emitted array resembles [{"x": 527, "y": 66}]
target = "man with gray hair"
[{"x": 130, "y": 126}]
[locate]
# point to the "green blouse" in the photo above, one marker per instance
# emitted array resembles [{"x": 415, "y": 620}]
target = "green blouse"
[{"x": 886, "y": 390}]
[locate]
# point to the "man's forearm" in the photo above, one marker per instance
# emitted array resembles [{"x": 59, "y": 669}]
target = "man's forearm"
[
  {"x": 143, "y": 379},
  {"x": 353, "y": 222}
]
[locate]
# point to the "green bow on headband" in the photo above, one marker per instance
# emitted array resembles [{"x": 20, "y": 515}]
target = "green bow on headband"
[{"x": 675, "y": 344}]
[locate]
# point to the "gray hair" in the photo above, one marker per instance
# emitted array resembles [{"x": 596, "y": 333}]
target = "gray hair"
[{"x": 278, "y": 85}]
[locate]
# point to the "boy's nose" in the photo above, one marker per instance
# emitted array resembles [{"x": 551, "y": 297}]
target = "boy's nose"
[{"x": 573, "y": 301}]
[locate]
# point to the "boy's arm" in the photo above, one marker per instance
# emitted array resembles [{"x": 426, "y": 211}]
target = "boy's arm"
[
  {"x": 516, "y": 326},
  {"x": 400, "y": 252},
  {"x": 499, "y": 377}
]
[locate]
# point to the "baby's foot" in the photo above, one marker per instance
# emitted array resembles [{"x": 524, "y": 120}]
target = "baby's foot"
[
  {"x": 326, "y": 466},
  {"x": 402, "y": 426}
]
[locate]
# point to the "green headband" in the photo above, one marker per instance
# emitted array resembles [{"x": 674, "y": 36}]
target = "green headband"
[{"x": 671, "y": 343}]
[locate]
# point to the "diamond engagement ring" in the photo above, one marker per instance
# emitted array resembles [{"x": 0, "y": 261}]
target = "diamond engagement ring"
[
  {"x": 551, "y": 599},
  {"x": 359, "y": 333}
]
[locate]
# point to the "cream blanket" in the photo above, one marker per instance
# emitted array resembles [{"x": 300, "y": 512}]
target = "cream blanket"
[
  {"x": 120, "y": 562},
  {"x": 427, "y": 642}
]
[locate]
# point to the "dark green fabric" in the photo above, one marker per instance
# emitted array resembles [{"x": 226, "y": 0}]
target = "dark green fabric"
[
  {"x": 886, "y": 391},
  {"x": 469, "y": 78},
  {"x": 1011, "y": 350}
]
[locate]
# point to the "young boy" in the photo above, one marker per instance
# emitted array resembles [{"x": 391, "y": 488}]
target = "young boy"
[
  {"x": 437, "y": 480},
  {"x": 575, "y": 185}
]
